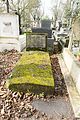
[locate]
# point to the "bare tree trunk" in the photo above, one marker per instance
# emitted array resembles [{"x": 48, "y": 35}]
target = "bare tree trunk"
[
  {"x": 20, "y": 31},
  {"x": 70, "y": 41},
  {"x": 7, "y": 5}
]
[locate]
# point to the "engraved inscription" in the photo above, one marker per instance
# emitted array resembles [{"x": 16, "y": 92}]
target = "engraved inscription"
[{"x": 7, "y": 27}]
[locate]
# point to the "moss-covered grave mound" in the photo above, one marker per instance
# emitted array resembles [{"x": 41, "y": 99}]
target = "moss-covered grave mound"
[{"x": 32, "y": 73}]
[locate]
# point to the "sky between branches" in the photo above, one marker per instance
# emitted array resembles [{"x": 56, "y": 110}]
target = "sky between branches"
[{"x": 47, "y": 5}]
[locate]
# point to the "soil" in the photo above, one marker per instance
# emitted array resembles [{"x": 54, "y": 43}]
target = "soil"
[
  {"x": 19, "y": 106},
  {"x": 60, "y": 86}
]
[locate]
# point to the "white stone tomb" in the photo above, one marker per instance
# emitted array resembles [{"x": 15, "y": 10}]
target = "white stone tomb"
[{"x": 9, "y": 32}]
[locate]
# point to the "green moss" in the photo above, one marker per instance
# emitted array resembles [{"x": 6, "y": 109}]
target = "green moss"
[{"x": 32, "y": 73}]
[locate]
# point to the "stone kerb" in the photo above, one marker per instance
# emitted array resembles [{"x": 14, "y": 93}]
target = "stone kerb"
[{"x": 73, "y": 67}]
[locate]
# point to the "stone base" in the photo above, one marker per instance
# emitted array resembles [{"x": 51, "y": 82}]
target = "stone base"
[
  {"x": 9, "y": 47},
  {"x": 10, "y": 44}
]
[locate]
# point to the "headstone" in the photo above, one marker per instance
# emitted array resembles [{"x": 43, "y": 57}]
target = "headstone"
[
  {"x": 9, "y": 31},
  {"x": 46, "y": 24},
  {"x": 9, "y": 26},
  {"x": 43, "y": 30},
  {"x": 36, "y": 41}
]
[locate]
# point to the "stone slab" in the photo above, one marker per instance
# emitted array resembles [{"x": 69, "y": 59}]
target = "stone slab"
[
  {"x": 56, "y": 108},
  {"x": 33, "y": 73}
]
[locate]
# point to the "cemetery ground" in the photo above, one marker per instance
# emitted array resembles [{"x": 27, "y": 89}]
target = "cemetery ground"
[{"x": 30, "y": 106}]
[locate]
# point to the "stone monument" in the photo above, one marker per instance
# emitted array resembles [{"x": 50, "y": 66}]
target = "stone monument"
[{"x": 9, "y": 32}]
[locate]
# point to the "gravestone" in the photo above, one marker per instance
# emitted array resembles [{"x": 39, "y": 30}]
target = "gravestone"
[
  {"x": 43, "y": 30},
  {"x": 46, "y": 24},
  {"x": 9, "y": 26},
  {"x": 36, "y": 41},
  {"x": 9, "y": 31}
]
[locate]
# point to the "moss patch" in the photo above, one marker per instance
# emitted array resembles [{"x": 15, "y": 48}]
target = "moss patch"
[{"x": 32, "y": 73}]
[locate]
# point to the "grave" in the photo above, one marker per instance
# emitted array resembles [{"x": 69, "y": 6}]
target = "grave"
[
  {"x": 9, "y": 33},
  {"x": 33, "y": 74}
]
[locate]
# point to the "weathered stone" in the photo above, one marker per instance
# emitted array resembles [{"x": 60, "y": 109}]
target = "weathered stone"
[{"x": 36, "y": 41}]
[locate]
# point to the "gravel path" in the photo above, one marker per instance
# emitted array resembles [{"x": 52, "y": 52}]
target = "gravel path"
[{"x": 19, "y": 106}]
